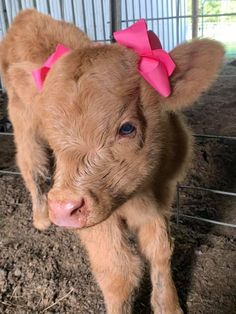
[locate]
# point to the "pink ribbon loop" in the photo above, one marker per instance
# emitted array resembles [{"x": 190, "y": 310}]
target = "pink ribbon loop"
[
  {"x": 155, "y": 64},
  {"x": 40, "y": 74}
]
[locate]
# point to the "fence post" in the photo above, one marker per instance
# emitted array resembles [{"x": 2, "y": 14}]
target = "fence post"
[
  {"x": 194, "y": 18},
  {"x": 115, "y": 9}
]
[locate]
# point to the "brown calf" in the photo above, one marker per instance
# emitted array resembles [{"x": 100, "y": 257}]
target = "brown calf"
[{"x": 106, "y": 178}]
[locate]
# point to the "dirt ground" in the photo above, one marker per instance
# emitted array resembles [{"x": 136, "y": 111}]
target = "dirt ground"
[{"x": 48, "y": 272}]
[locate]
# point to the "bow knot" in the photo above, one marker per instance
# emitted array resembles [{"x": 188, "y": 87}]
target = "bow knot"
[
  {"x": 40, "y": 74},
  {"x": 155, "y": 64}
]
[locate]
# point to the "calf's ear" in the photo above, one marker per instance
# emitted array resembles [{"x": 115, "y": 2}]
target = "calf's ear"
[
  {"x": 19, "y": 79},
  {"x": 197, "y": 65}
]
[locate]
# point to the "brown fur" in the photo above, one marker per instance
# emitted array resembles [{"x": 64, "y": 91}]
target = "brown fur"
[{"x": 87, "y": 95}]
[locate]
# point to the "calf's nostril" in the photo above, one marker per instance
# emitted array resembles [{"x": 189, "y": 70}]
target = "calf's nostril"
[
  {"x": 78, "y": 209},
  {"x": 74, "y": 211}
]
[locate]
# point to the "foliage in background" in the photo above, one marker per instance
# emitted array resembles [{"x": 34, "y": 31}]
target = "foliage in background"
[{"x": 207, "y": 7}]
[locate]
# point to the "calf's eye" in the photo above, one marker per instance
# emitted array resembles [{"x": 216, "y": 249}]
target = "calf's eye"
[{"x": 127, "y": 129}]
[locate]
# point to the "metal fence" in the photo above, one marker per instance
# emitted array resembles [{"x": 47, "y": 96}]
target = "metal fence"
[
  {"x": 170, "y": 19},
  {"x": 181, "y": 188},
  {"x": 94, "y": 16},
  {"x": 173, "y": 20}
]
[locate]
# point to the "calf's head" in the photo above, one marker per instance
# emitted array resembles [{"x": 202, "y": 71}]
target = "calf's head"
[{"x": 106, "y": 125}]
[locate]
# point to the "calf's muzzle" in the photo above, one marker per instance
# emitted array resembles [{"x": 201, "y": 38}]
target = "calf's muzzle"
[{"x": 68, "y": 213}]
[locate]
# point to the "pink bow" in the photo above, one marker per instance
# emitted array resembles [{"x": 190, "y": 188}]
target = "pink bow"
[
  {"x": 40, "y": 74},
  {"x": 155, "y": 64}
]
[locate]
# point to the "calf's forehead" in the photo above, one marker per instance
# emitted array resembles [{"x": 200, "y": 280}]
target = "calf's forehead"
[
  {"x": 105, "y": 94},
  {"x": 89, "y": 112},
  {"x": 98, "y": 92}
]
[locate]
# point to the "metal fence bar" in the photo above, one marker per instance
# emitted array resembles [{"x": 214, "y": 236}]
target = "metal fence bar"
[
  {"x": 168, "y": 26},
  {"x": 17, "y": 173},
  {"x": 3, "y": 21},
  {"x": 222, "y": 137},
  {"x": 181, "y": 17},
  {"x": 177, "y": 21},
  {"x": 172, "y": 24},
  {"x": 133, "y": 9},
  {"x": 151, "y": 4},
  {"x": 115, "y": 8},
  {"x": 62, "y": 10},
  {"x": 126, "y": 13},
  {"x": 215, "y": 222},
  {"x": 103, "y": 20},
  {"x": 183, "y": 22},
  {"x": 6, "y": 133},
  {"x": 139, "y": 6},
  {"x": 84, "y": 20},
  {"x": 199, "y": 188},
  {"x": 48, "y": 6},
  {"x": 8, "y": 11},
  {"x": 194, "y": 18},
  {"x": 163, "y": 24},
  {"x": 10, "y": 172},
  {"x": 227, "y": 75},
  {"x": 73, "y": 12},
  {"x": 146, "y": 11},
  {"x": 94, "y": 21}
]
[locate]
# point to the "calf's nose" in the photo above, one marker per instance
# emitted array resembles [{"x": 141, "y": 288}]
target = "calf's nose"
[{"x": 71, "y": 214}]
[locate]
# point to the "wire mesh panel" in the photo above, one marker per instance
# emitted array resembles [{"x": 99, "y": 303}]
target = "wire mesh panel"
[
  {"x": 170, "y": 19},
  {"x": 163, "y": 17},
  {"x": 92, "y": 16}
]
